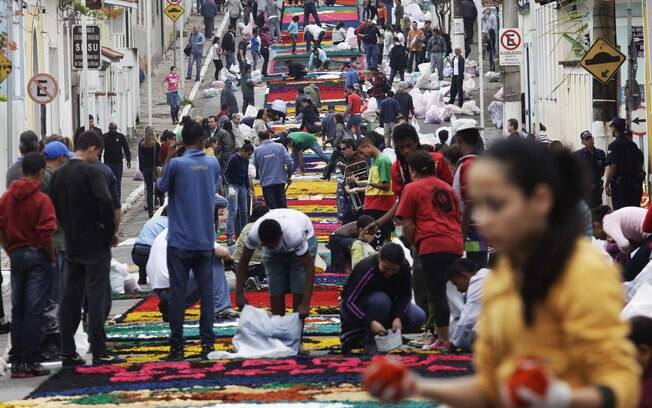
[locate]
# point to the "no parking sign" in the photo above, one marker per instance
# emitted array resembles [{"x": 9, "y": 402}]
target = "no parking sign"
[{"x": 511, "y": 46}]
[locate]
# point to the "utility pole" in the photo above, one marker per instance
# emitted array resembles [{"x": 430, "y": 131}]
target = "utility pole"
[
  {"x": 10, "y": 84},
  {"x": 481, "y": 90},
  {"x": 457, "y": 35},
  {"x": 511, "y": 73},
  {"x": 604, "y": 96},
  {"x": 148, "y": 24},
  {"x": 83, "y": 83}
]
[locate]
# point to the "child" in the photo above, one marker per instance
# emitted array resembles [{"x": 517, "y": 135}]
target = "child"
[
  {"x": 429, "y": 213},
  {"x": 27, "y": 224},
  {"x": 361, "y": 248},
  {"x": 255, "y": 47},
  {"x": 293, "y": 30},
  {"x": 561, "y": 311},
  {"x": 339, "y": 34},
  {"x": 641, "y": 336}
]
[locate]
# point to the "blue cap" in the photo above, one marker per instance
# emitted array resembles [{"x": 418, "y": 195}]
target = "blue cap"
[{"x": 54, "y": 150}]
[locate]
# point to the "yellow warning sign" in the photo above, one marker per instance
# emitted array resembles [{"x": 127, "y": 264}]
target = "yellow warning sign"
[
  {"x": 174, "y": 11},
  {"x": 603, "y": 60},
  {"x": 5, "y": 67}
]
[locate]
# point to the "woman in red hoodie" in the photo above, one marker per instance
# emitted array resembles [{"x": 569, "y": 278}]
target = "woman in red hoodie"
[{"x": 27, "y": 224}]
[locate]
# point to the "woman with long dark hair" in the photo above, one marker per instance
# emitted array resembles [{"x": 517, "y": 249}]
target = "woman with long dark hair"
[
  {"x": 549, "y": 334},
  {"x": 148, "y": 162}
]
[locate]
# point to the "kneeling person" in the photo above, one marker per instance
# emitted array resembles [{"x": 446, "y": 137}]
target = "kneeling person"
[
  {"x": 377, "y": 297},
  {"x": 289, "y": 249},
  {"x": 462, "y": 273}
]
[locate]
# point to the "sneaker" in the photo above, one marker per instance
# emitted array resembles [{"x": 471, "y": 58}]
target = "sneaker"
[
  {"x": 5, "y": 328},
  {"x": 107, "y": 358},
  {"x": 19, "y": 370},
  {"x": 36, "y": 370},
  {"x": 176, "y": 354},
  {"x": 253, "y": 283},
  {"x": 205, "y": 350},
  {"x": 441, "y": 346},
  {"x": 227, "y": 314},
  {"x": 71, "y": 362},
  {"x": 424, "y": 339}
]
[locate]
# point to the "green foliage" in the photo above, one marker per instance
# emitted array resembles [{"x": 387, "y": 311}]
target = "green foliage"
[{"x": 77, "y": 8}]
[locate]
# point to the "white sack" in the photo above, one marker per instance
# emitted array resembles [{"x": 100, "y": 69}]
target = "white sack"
[
  {"x": 260, "y": 335},
  {"x": 640, "y": 305},
  {"x": 351, "y": 38},
  {"x": 470, "y": 108},
  {"x": 210, "y": 93},
  {"x": 644, "y": 277},
  {"x": 251, "y": 112},
  {"x": 280, "y": 105},
  {"x": 119, "y": 272}
]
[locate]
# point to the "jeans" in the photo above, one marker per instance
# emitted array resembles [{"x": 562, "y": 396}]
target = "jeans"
[
  {"x": 264, "y": 52},
  {"x": 414, "y": 59},
  {"x": 310, "y": 9},
  {"x": 31, "y": 275},
  {"x": 437, "y": 62},
  {"x": 378, "y": 306},
  {"x": 174, "y": 100},
  {"x": 87, "y": 281},
  {"x": 355, "y": 120},
  {"x": 230, "y": 59},
  {"x": 238, "y": 198},
  {"x": 116, "y": 168},
  {"x": 274, "y": 27},
  {"x": 315, "y": 148},
  {"x": 209, "y": 26},
  {"x": 372, "y": 53},
  {"x": 456, "y": 88},
  {"x": 255, "y": 55},
  {"x": 194, "y": 59},
  {"x": 140, "y": 256},
  {"x": 435, "y": 272},
  {"x": 180, "y": 262},
  {"x": 275, "y": 196},
  {"x": 246, "y": 101},
  {"x": 635, "y": 264},
  {"x": 148, "y": 177},
  {"x": 221, "y": 298},
  {"x": 401, "y": 74}
]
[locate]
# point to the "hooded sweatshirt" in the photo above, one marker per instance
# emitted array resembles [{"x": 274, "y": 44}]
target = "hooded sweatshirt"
[{"x": 27, "y": 217}]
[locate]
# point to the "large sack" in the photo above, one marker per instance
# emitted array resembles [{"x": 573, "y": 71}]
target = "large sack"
[
  {"x": 495, "y": 109},
  {"x": 435, "y": 114},
  {"x": 470, "y": 108},
  {"x": 280, "y": 105},
  {"x": 644, "y": 277},
  {"x": 424, "y": 68},
  {"x": 343, "y": 46},
  {"x": 210, "y": 93},
  {"x": 468, "y": 86},
  {"x": 117, "y": 275},
  {"x": 640, "y": 305},
  {"x": 260, "y": 335},
  {"x": 351, "y": 39},
  {"x": 251, "y": 112},
  {"x": 492, "y": 76}
]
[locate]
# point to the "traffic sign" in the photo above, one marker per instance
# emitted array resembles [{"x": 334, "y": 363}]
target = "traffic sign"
[
  {"x": 602, "y": 61},
  {"x": 511, "y": 46},
  {"x": 174, "y": 11},
  {"x": 5, "y": 67},
  {"x": 42, "y": 88},
  {"x": 639, "y": 121},
  {"x": 175, "y": 2}
]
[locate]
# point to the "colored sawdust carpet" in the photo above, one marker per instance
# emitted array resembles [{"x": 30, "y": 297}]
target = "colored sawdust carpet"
[
  {"x": 311, "y": 378},
  {"x": 315, "y": 198},
  {"x": 329, "y": 16},
  {"x": 331, "y": 92},
  {"x": 326, "y": 299}
]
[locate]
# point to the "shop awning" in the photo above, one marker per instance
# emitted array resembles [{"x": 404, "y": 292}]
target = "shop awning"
[{"x": 132, "y": 4}]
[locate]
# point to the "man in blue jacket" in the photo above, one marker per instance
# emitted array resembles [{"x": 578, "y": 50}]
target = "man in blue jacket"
[
  {"x": 191, "y": 183},
  {"x": 209, "y": 11},
  {"x": 196, "y": 41}
]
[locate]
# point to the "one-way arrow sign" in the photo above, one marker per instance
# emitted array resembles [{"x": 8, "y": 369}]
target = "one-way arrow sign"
[{"x": 638, "y": 121}]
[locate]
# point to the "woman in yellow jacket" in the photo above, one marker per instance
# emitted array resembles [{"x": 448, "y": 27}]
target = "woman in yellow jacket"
[{"x": 551, "y": 303}]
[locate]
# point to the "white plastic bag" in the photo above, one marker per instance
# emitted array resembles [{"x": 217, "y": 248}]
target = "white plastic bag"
[
  {"x": 251, "y": 112},
  {"x": 131, "y": 283},
  {"x": 280, "y": 105},
  {"x": 644, "y": 277},
  {"x": 351, "y": 39},
  {"x": 343, "y": 46},
  {"x": 119, "y": 272},
  {"x": 640, "y": 305},
  {"x": 492, "y": 76},
  {"x": 257, "y": 76},
  {"x": 260, "y": 335},
  {"x": 434, "y": 114},
  {"x": 468, "y": 85},
  {"x": 470, "y": 108},
  {"x": 424, "y": 68},
  {"x": 246, "y": 131},
  {"x": 211, "y": 93}
]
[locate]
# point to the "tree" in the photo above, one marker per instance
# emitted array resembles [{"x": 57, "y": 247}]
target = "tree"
[{"x": 443, "y": 10}]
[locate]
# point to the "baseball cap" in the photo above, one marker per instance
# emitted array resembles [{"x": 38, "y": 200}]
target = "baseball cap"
[
  {"x": 54, "y": 150},
  {"x": 586, "y": 135},
  {"x": 618, "y": 123}
]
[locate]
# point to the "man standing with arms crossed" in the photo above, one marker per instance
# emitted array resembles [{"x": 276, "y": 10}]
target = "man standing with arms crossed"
[{"x": 191, "y": 183}]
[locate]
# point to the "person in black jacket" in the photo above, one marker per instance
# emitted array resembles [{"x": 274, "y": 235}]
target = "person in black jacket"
[
  {"x": 470, "y": 14},
  {"x": 296, "y": 69},
  {"x": 148, "y": 161},
  {"x": 377, "y": 298},
  {"x": 397, "y": 61},
  {"x": 309, "y": 116},
  {"x": 458, "y": 77},
  {"x": 82, "y": 129},
  {"x": 84, "y": 208},
  {"x": 228, "y": 47},
  {"x": 114, "y": 144}
]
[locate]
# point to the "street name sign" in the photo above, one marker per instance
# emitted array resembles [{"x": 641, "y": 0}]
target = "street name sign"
[{"x": 602, "y": 61}]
